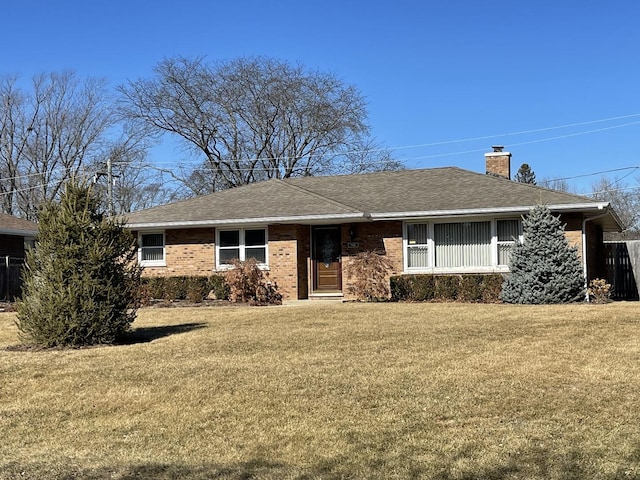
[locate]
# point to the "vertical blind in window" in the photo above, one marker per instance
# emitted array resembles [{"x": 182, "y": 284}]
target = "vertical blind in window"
[
  {"x": 152, "y": 247},
  {"x": 417, "y": 251},
  {"x": 508, "y": 232},
  {"x": 466, "y": 244}
]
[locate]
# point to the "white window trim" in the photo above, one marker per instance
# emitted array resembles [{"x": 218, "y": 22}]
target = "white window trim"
[
  {"x": 503, "y": 242},
  {"x": 493, "y": 268},
  {"x": 153, "y": 263},
  {"x": 242, "y": 246}
]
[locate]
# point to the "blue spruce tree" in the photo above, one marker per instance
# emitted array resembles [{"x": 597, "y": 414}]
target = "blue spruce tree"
[{"x": 544, "y": 267}]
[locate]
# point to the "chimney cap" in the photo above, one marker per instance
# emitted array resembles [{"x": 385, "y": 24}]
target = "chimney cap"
[{"x": 497, "y": 148}]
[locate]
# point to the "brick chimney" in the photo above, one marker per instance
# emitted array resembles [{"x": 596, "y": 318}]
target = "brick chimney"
[{"x": 498, "y": 163}]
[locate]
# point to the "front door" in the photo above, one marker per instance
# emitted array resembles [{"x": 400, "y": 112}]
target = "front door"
[{"x": 326, "y": 258}]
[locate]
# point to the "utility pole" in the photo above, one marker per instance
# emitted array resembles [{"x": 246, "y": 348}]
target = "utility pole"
[
  {"x": 110, "y": 208},
  {"x": 110, "y": 182}
]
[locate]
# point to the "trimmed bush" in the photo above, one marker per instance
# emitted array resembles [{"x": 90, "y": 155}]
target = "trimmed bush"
[
  {"x": 219, "y": 287},
  {"x": 466, "y": 288},
  {"x": 491, "y": 288},
  {"x": 470, "y": 288},
  {"x": 446, "y": 287},
  {"x": 194, "y": 288}
]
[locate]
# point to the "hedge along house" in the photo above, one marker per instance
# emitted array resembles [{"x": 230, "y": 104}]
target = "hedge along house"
[{"x": 305, "y": 230}]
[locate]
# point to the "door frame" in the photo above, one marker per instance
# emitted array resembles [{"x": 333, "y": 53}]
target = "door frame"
[{"x": 314, "y": 260}]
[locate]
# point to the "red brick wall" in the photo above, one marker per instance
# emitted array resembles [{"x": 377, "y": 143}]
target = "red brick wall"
[
  {"x": 187, "y": 252},
  {"x": 384, "y": 238},
  {"x": 498, "y": 164},
  {"x": 283, "y": 259},
  {"x": 192, "y": 251}
]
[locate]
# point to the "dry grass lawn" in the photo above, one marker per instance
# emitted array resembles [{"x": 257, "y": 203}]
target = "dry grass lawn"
[{"x": 439, "y": 391}]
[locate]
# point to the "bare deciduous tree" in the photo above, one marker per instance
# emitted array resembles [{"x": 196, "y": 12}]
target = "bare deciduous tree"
[
  {"x": 559, "y": 184},
  {"x": 59, "y": 128},
  {"x": 250, "y": 119},
  {"x": 624, "y": 200}
]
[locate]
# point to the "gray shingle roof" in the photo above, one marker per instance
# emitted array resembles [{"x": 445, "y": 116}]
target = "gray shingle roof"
[
  {"x": 397, "y": 194},
  {"x": 16, "y": 226}
]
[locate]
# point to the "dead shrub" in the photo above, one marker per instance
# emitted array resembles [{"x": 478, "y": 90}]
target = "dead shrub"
[
  {"x": 370, "y": 272},
  {"x": 599, "y": 291},
  {"x": 249, "y": 284}
]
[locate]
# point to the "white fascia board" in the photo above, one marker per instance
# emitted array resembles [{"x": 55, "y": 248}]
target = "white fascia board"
[
  {"x": 245, "y": 221},
  {"x": 576, "y": 207}
]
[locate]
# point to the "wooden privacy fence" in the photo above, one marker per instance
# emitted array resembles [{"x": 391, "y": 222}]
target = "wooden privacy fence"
[
  {"x": 622, "y": 260},
  {"x": 10, "y": 277}
]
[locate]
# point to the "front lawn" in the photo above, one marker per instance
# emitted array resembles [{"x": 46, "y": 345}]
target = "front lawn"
[{"x": 442, "y": 391}]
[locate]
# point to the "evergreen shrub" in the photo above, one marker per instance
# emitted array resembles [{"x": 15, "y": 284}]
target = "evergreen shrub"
[
  {"x": 81, "y": 281},
  {"x": 193, "y": 288},
  {"x": 465, "y": 288},
  {"x": 544, "y": 268}
]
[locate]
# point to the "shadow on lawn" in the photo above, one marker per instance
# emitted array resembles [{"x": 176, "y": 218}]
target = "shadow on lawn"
[
  {"x": 149, "y": 334},
  {"x": 532, "y": 464}
]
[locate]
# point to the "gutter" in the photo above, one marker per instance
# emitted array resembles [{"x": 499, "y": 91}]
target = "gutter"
[
  {"x": 19, "y": 233},
  {"x": 487, "y": 211},
  {"x": 245, "y": 221}
]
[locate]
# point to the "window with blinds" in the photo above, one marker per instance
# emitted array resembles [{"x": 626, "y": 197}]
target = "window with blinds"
[
  {"x": 460, "y": 246},
  {"x": 152, "y": 249},
  {"x": 417, "y": 245},
  {"x": 508, "y": 232},
  {"x": 464, "y": 244}
]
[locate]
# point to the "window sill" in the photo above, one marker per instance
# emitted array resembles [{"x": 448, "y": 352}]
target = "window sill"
[
  {"x": 456, "y": 270},
  {"x": 152, "y": 264},
  {"x": 226, "y": 268}
]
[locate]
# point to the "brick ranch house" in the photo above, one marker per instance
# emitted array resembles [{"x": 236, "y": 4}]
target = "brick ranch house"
[{"x": 304, "y": 230}]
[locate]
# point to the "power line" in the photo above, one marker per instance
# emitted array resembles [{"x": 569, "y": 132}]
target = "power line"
[{"x": 463, "y": 152}]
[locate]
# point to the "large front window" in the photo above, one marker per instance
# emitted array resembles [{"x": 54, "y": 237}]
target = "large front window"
[
  {"x": 469, "y": 246},
  {"x": 241, "y": 244},
  {"x": 464, "y": 244}
]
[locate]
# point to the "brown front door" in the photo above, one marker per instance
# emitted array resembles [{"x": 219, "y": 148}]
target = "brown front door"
[{"x": 326, "y": 259}]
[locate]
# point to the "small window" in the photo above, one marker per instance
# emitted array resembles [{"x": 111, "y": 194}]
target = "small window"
[
  {"x": 152, "y": 249},
  {"x": 508, "y": 232},
  {"x": 242, "y": 244},
  {"x": 417, "y": 248}
]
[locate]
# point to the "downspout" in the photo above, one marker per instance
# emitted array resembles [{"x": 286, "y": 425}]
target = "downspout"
[{"x": 584, "y": 250}]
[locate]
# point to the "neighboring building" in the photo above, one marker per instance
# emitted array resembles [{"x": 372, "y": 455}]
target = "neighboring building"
[
  {"x": 15, "y": 234},
  {"x": 439, "y": 220}
]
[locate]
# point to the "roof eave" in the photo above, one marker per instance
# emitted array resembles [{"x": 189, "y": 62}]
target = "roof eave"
[
  {"x": 18, "y": 233},
  {"x": 247, "y": 221},
  {"x": 576, "y": 207}
]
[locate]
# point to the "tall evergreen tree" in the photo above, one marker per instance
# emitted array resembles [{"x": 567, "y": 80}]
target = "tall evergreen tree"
[
  {"x": 544, "y": 267},
  {"x": 81, "y": 279},
  {"x": 525, "y": 175}
]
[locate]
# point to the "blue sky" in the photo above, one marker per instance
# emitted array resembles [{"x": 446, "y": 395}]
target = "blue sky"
[{"x": 435, "y": 74}]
